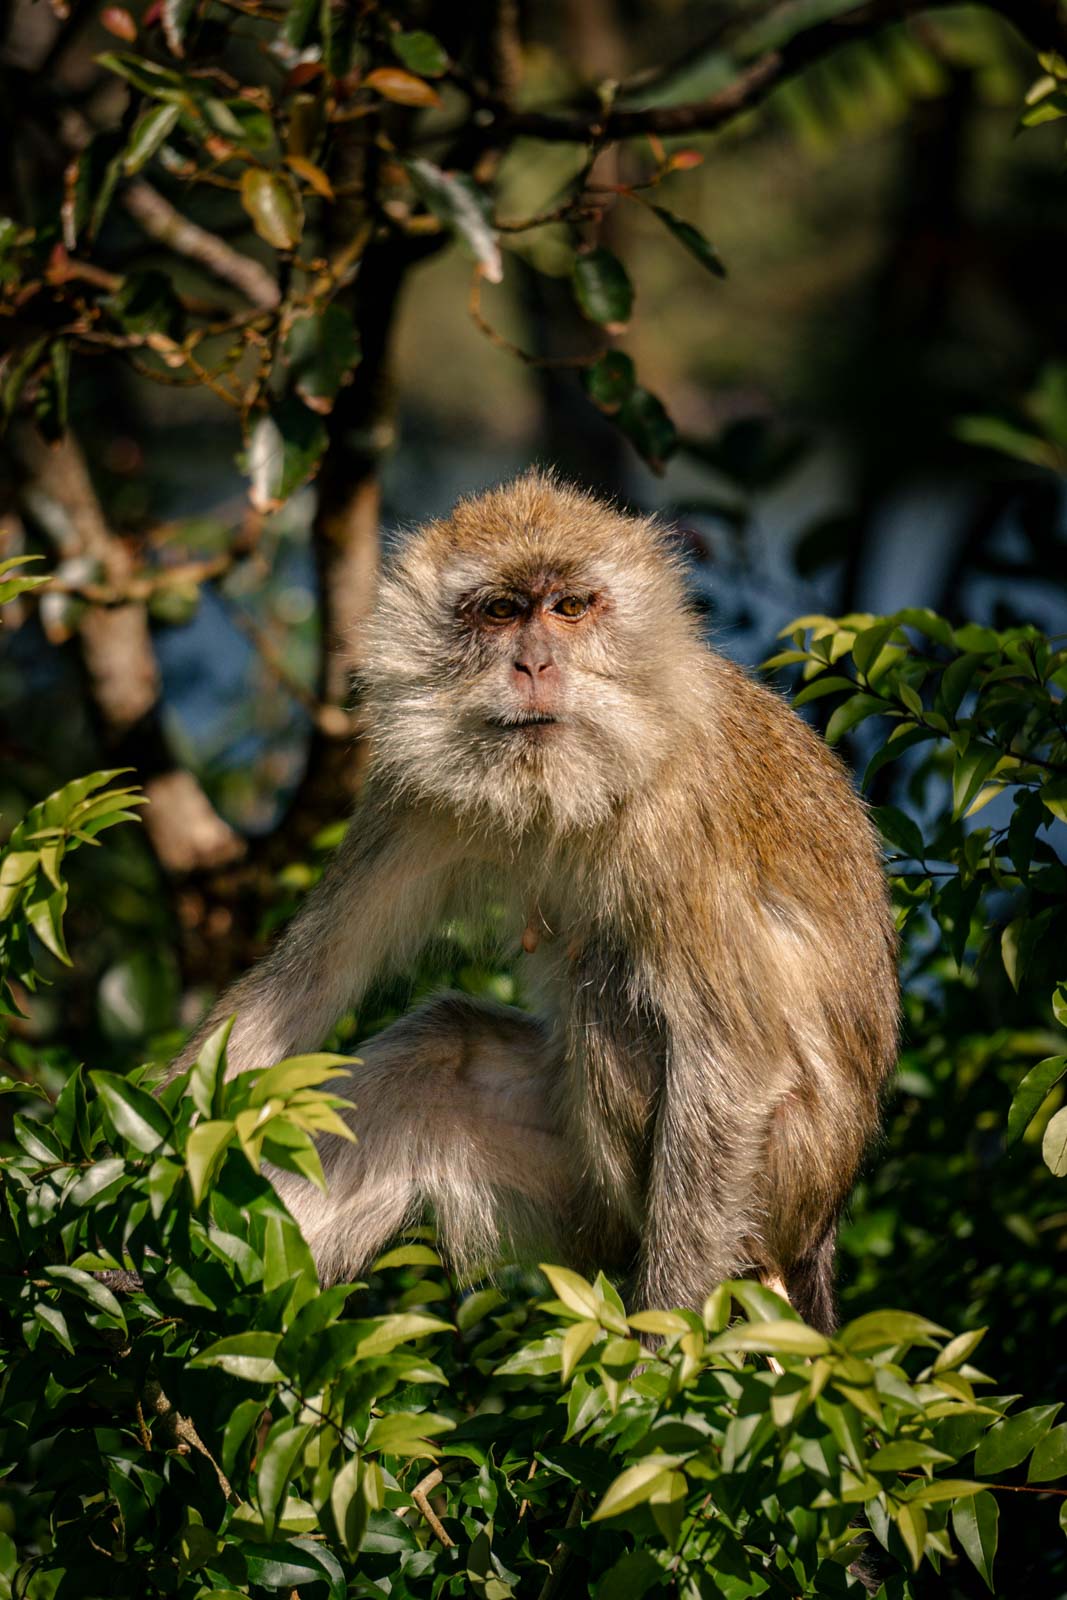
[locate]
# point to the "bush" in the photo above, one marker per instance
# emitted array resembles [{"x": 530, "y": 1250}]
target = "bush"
[{"x": 219, "y": 1425}]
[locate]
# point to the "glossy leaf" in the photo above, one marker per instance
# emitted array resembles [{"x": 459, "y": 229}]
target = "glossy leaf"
[
  {"x": 285, "y": 450},
  {"x": 974, "y": 1522},
  {"x": 274, "y": 207},
  {"x": 603, "y": 289},
  {"x": 322, "y": 350},
  {"x": 1011, "y": 1441},
  {"x": 462, "y": 207},
  {"x": 1031, "y": 1095},
  {"x": 693, "y": 240},
  {"x": 421, "y": 53},
  {"x": 404, "y": 88}
]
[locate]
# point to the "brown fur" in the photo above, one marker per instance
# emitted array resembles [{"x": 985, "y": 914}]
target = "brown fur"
[{"x": 698, "y": 887}]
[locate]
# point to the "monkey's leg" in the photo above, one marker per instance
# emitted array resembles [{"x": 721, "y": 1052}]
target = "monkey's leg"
[
  {"x": 451, "y": 1109},
  {"x": 814, "y": 1143}
]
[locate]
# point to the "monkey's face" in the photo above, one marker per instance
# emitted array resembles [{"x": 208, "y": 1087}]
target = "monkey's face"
[{"x": 525, "y": 659}]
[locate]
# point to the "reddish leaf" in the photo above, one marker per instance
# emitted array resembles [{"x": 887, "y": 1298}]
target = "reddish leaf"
[
  {"x": 117, "y": 20},
  {"x": 311, "y": 174},
  {"x": 392, "y": 83}
]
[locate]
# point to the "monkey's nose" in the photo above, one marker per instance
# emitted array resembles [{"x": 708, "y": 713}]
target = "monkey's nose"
[{"x": 534, "y": 664}]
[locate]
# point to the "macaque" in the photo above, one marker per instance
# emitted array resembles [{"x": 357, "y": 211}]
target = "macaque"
[{"x": 696, "y": 893}]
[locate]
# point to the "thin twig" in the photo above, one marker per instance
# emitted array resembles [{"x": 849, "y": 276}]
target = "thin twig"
[
  {"x": 419, "y": 1496},
  {"x": 561, "y": 1555},
  {"x": 182, "y": 1434},
  {"x": 164, "y": 222},
  {"x": 474, "y": 308}
]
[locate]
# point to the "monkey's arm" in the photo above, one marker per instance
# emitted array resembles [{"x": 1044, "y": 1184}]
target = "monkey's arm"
[{"x": 377, "y": 904}]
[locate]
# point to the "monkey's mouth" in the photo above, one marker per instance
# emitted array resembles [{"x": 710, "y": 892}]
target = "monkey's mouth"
[{"x": 520, "y": 720}]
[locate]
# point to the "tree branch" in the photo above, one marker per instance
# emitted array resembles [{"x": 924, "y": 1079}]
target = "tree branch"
[
  {"x": 1039, "y": 22},
  {"x": 120, "y": 662},
  {"x": 166, "y": 223}
]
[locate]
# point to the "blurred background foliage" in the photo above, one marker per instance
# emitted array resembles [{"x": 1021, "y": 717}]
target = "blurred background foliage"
[{"x": 277, "y": 280}]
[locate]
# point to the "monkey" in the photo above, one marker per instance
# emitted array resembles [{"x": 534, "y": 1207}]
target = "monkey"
[{"x": 696, "y": 891}]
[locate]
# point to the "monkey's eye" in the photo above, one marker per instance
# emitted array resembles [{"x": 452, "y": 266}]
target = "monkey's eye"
[
  {"x": 501, "y": 609},
  {"x": 571, "y": 606}
]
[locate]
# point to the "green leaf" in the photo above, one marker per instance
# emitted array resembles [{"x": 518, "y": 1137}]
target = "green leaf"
[
  {"x": 1054, "y": 1144},
  {"x": 152, "y": 128},
  {"x": 349, "y": 1506},
  {"x": 1049, "y": 1459},
  {"x": 12, "y": 587},
  {"x": 648, "y": 427},
  {"x": 421, "y": 53},
  {"x": 244, "y": 1355},
  {"x": 100, "y": 1176},
  {"x": 900, "y": 830},
  {"x": 693, "y": 240},
  {"x": 322, "y": 350},
  {"x": 632, "y": 1576},
  {"x": 477, "y": 1306},
  {"x": 1054, "y": 798},
  {"x": 994, "y": 433},
  {"x": 577, "y": 1294},
  {"x": 851, "y": 713},
  {"x": 285, "y": 450},
  {"x": 296, "y": 1073},
  {"x": 408, "y": 1255},
  {"x": 821, "y": 687},
  {"x": 610, "y": 381},
  {"x": 276, "y": 1468},
  {"x": 902, "y": 1455},
  {"x": 576, "y": 1341},
  {"x": 146, "y": 303},
  {"x": 385, "y": 1333},
  {"x": 135, "y": 1115},
  {"x": 603, "y": 289},
  {"x": 274, "y": 207},
  {"x": 405, "y": 1433},
  {"x": 969, "y": 772},
  {"x": 959, "y": 1349},
  {"x": 458, "y": 203},
  {"x": 912, "y": 1526},
  {"x": 868, "y": 644},
  {"x": 298, "y": 19},
  {"x": 663, "y": 1322},
  {"x": 773, "y": 1337},
  {"x": 88, "y": 1288},
  {"x": 52, "y": 1318},
  {"x": 203, "y": 1154},
  {"x": 1010, "y": 1441},
  {"x": 883, "y": 1330},
  {"x": 209, "y": 1070},
  {"x": 635, "y": 1486},
  {"x": 974, "y": 1523},
  {"x": 1031, "y": 1095}
]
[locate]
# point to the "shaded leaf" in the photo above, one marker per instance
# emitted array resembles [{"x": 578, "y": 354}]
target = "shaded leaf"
[
  {"x": 274, "y": 207},
  {"x": 1031, "y": 1094},
  {"x": 693, "y": 240},
  {"x": 322, "y": 350},
  {"x": 285, "y": 450},
  {"x": 603, "y": 289},
  {"x": 421, "y": 53}
]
